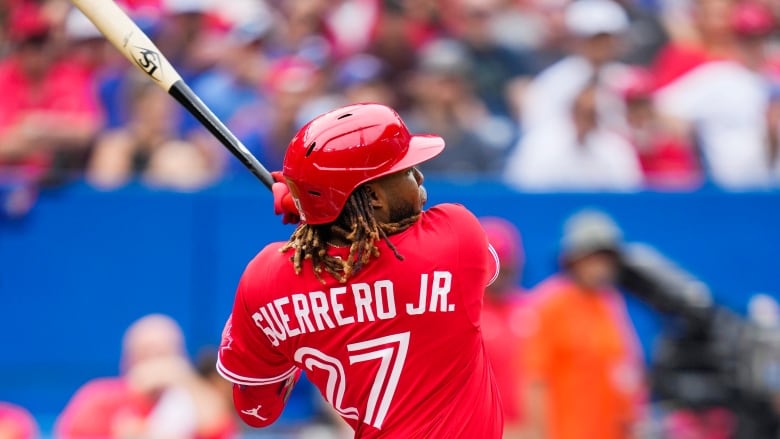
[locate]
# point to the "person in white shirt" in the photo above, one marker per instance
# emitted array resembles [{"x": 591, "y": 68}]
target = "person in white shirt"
[
  {"x": 595, "y": 27},
  {"x": 575, "y": 154},
  {"x": 726, "y": 104}
]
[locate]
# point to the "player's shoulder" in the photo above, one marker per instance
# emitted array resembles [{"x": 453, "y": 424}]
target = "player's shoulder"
[
  {"x": 456, "y": 214},
  {"x": 268, "y": 260},
  {"x": 271, "y": 252}
]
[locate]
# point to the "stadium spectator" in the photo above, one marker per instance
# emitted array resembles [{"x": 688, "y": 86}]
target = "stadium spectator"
[
  {"x": 444, "y": 102},
  {"x": 699, "y": 32},
  {"x": 577, "y": 154},
  {"x": 401, "y": 29},
  {"x": 595, "y": 28},
  {"x": 583, "y": 362},
  {"x": 50, "y": 111},
  {"x": 498, "y": 74},
  {"x": 16, "y": 422},
  {"x": 507, "y": 319},
  {"x": 291, "y": 84},
  {"x": 231, "y": 90},
  {"x": 666, "y": 154},
  {"x": 148, "y": 148},
  {"x": 726, "y": 104},
  {"x": 773, "y": 125},
  {"x": 364, "y": 78},
  {"x": 646, "y": 34},
  {"x": 188, "y": 36},
  {"x": 158, "y": 394}
]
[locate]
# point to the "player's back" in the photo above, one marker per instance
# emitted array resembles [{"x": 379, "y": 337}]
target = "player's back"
[{"x": 397, "y": 350}]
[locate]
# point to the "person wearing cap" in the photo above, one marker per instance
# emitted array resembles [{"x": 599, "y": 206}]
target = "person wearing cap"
[
  {"x": 507, "y": 319},
  {"x": 50, "y": 110},
  {"x": 583, "y": 365},
  {"x": 725, "y": 104},
  {"x": 666, "y": 153},
  {"x": 375, "y": 298},
  {"x": 443, "y": 100},
  {"x": 577, "y": 153},
  {"x": 595, "y": 28}
]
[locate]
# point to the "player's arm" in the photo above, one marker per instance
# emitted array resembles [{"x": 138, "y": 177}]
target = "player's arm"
[
  {"x": 260, "y": 406},
  {"x": 261, "y": 374}
]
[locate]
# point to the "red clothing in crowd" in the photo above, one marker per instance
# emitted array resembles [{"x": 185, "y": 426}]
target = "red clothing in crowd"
[
  {"x": 67, "y": 92},
  {"x": 16, "y": 423},
  {"x": 675, "y": 60},
  {"x": 505, "y": 327}
]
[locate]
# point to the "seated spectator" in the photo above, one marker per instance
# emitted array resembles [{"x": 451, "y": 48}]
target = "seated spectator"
[
  {"x": 595, "y": 28},
  {"x": 443, "y": 102},
  {"x": 50, "y": 112},
  {"x": 159, "y": 394},
  {"x": 577, "y": 154},
  {"x": 699, "y": 32},
  {"x": 231, "y": 89},
  {"x": 16, "y": 422},
  {"x": 364, "y": 78},
  {"x": 292, "y": 84},
  {"x": 726, "y": 102},
  {"x": 498, "y": 74},
  {"x": 773, "y": 127},
  {"x": 507, "y": 319},
  {"x": 646, "y": 34},
  {"x": 666, "y": 154},
  {"x": 401, "y": 29},
  {"x": 147, "y": 147},
  {"x": 583, "y": 363}
]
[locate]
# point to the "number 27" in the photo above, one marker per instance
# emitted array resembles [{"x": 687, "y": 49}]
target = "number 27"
[{"x": 389, "y": 350}]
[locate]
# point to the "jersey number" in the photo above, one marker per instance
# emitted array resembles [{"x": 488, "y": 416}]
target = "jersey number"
[{"x": 390, "y": 351}]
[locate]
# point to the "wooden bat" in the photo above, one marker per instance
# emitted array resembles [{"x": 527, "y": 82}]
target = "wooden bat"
[{"x": 129, "y": 39}]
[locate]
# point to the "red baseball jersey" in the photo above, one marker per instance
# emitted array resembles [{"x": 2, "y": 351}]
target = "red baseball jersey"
[{"x": 397, "y": 350}]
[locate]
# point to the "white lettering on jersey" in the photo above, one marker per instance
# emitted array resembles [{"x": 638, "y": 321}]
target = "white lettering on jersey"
[
  {"x": 439, "y": 287},
  {"x": 384, "y": 299},
  {"x": 301, "y": 308},
  {"x": 319, "y": 306},
  {"x": 442, "y": 281},
  {"x": 362, "y": 293},
  {"x": 278, "y": 304},
  {"x": 339, "y": 308},
  {"x": 288, "y": 317}
]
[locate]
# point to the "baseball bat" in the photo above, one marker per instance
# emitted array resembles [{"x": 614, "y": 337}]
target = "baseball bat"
[{"x": 128, "y": 38}]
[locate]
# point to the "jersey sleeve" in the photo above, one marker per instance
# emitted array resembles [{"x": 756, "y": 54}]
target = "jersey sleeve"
[
  {"x": 477, "y": 260},
  {"x": 246, "y": 355}
]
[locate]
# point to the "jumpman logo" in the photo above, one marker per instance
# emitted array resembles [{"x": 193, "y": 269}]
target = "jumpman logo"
[{"x": 253, "y": 412}]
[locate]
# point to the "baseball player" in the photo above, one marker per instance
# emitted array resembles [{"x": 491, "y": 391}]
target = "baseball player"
[{"x": 377, "y": 300}]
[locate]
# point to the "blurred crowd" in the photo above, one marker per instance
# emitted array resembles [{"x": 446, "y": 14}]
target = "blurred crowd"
[{"x": 546, "y": 95}]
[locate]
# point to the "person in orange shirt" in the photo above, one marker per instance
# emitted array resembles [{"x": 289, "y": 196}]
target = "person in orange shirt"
[{"x": 582, "y": 363}]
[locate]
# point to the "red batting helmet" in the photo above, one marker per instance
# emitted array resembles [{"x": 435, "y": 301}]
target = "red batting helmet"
[{"x": 338, "y": 151}]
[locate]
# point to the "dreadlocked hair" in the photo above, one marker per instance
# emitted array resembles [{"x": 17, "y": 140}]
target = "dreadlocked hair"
[{"x": 357, "y": 225}]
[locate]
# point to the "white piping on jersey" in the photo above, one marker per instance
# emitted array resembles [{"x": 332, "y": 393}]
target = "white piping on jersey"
[
  {"x": 498, "y": 264},
  {"x": 247, "y": 381}
]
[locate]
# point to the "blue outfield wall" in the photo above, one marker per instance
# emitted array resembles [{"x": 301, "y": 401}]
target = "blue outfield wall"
[{"x": 84, "y": 264}]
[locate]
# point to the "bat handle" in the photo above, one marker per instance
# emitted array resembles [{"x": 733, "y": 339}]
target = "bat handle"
[{"x": 189, "y": 100}]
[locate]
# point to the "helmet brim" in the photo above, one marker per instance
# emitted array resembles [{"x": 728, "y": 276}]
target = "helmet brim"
[{"x": 422, "y": 147}]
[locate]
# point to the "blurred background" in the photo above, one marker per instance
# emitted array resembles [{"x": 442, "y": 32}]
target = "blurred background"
[{"x": 630, "y": 147}]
